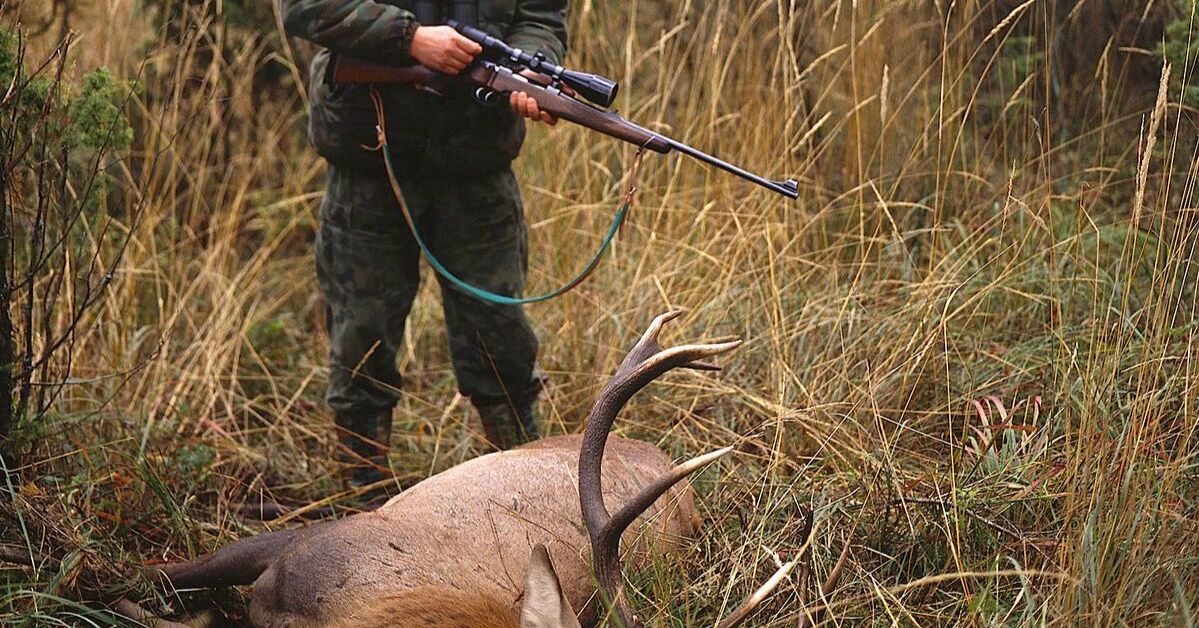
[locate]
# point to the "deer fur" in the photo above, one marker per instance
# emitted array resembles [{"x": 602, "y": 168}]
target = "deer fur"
[
  {"x": 456, "y": 545},
  {"x": 461, "y": 547},
  {"x": 512, "y": 539}
]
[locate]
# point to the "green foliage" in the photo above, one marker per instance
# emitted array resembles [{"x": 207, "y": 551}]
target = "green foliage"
[
  {"x": 194, "y": 459},
  {"x": 96, "y": 121},
  {"x": 95, "y": 113},
  {"x": 1019, "y": 59},
  {"x": 57, "y": 133},
  {"x": 90, "y": 115},
  {"x": 31, "y": 96},
  {"x": 1180, "y": 48},
  {"x": 8, "y": 56},
  {"x": 190, "y": 465},
  {"x": 984, "y": 604}
]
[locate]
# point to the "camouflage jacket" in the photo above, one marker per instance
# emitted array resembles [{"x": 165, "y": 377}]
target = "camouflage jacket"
[{"x": 425, "y": 131}]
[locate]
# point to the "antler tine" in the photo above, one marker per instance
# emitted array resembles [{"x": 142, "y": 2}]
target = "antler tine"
[
  {"x": 806, "y": 619},
  {"x": 648, "y": 354},
  {"x": 741, "y": 613},
  {"x": 646, "y": 361},
  {"x": 605, "y": 531},
  {"x": 647, "y": 345},
  {"x": 650, "y": 336},
  {"x": 656, "y": 325},
  {"x": 641, "y": 502}
]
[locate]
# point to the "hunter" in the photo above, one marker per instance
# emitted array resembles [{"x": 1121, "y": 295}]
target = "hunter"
[{"x": 453, "y": 160}]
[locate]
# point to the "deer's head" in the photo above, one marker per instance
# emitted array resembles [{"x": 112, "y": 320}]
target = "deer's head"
[{"x": 544, "y": 604}]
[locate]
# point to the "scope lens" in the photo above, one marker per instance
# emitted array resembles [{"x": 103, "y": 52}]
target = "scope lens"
[{"x": 597, "y": 89}]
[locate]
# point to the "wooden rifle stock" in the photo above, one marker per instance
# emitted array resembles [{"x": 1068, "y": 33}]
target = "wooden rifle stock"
[
  {"x": 490, "y": 82},
  {"x": 502, "y": 81},
  {"x": 343, "y": 70}
]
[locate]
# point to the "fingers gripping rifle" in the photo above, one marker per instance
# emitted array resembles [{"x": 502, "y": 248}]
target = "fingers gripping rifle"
[{"x": 495, "y": 74}]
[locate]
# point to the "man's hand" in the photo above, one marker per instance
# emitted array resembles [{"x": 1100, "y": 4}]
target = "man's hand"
[
  {"x": 524, "y": 104},
  {"x": 443, "y": 48}
]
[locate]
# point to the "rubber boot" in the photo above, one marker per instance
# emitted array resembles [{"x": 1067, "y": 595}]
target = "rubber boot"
[
  {"x": 508, "y": 425},
  {"x": 363, "y": 440}
]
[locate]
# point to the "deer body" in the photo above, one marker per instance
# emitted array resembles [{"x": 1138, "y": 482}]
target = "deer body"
[
  {"x": 455, "y": 545},
  {"x": 511, "y": 539}
]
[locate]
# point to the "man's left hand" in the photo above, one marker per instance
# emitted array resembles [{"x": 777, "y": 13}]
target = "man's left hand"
[{"x": 524, "y": 104}]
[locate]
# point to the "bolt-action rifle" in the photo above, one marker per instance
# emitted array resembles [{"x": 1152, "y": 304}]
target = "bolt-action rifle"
[{"x": 496, "y": 73}]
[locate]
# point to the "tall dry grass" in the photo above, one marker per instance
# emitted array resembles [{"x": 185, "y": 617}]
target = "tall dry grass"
[{"x": 970, "y": 344}]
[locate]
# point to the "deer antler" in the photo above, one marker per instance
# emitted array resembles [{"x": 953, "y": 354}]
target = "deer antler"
[
  {"x": 644, "y": 363},
  {"x": 807, "y": 619},
  {"x": 741, "y": 613}
]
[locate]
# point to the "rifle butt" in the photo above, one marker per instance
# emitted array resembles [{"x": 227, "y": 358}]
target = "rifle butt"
[{"x": 344, "y": 70}]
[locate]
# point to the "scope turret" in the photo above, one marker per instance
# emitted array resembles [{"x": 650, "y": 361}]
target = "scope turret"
[{"x": 593, "y": 87}]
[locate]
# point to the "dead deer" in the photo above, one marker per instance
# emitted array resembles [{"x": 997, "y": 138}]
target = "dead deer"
[{"x": 495, "y": 541}]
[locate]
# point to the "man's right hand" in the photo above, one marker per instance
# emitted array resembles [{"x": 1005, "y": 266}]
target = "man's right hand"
[{"x": 443, "y": 48}]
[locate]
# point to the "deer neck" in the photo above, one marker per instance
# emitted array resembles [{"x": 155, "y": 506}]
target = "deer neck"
[{"x": 436, "y": 606}]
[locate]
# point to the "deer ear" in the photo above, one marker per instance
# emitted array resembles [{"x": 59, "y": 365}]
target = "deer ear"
[{"x": 545, "y": 605}]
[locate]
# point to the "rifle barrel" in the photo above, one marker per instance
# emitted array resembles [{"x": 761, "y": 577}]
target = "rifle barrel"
[{"x": 788, "y": 188}]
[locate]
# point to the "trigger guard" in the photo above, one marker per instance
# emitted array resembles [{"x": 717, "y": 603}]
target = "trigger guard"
[{"x": 486, "y": 96}]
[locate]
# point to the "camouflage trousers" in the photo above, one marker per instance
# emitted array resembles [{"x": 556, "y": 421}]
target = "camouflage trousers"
[{"x": 368, "y": 269}]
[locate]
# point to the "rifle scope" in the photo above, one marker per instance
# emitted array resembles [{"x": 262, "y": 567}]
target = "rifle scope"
[{"x": 593, "y": 87}]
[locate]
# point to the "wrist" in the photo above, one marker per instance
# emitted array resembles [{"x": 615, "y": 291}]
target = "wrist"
[{"x": 406, "y": 34}]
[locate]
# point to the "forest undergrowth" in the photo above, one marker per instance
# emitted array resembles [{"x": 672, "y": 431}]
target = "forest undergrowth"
[{"x": 971, "y": 345}]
